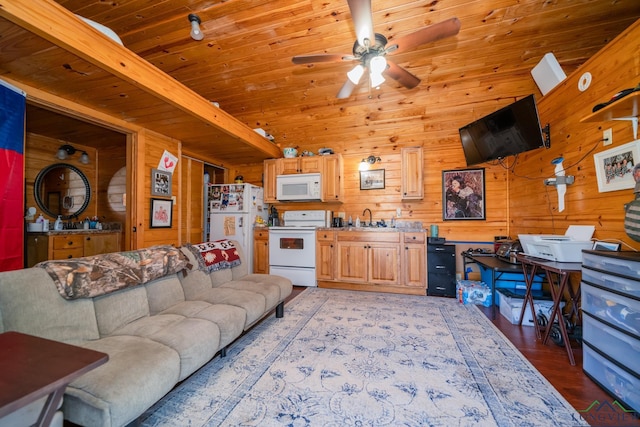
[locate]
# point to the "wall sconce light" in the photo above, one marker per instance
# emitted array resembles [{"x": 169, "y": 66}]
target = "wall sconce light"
[
  {"x": 196, "y": 33},
  {"x": 68, "y": 150},
  {"x": 366, "y": 163}
]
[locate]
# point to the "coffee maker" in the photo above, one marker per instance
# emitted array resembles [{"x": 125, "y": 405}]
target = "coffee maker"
[{"x": 274, "y": 219}]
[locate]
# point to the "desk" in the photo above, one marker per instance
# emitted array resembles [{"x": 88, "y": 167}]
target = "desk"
[
  {"x": 558, "y": 277},
  {"x": 497, "y": 267},
  {"x": 34, "y": 367}
]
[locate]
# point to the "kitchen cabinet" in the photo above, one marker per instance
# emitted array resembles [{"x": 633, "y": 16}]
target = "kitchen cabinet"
[
  {"x": 441, "y": 270},
  {"x": 332, "y": 179},
  {"x": 72, "y": 244},
  {"x": 368, "y": 257},
  {"x": 414, "y": 260},
  {"x": 269, "y": 180},
  {"x": 261, "y": 251},
  {"x": 330, "y": 167},
  {"x": 306, "y": 164},
  {"x": 325, "y": 254},
  {"x": 382, "y": 261},
  {"x": 412, "y": 181}
]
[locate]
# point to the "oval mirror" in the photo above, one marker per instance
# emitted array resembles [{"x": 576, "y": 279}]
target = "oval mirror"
[{"x": 62, "y": 189}]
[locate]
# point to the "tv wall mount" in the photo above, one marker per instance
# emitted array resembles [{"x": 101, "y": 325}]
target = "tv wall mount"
[{"x": 546, "y": 136}]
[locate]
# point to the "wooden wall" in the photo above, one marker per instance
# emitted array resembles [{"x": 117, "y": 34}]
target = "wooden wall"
[
  {"x": 534, "y": 206},
  {"x": 40, "y": 152}
]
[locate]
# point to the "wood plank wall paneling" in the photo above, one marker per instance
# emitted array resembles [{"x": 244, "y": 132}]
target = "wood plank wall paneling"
[
  {"x": 40, "y": 152},
  {"x": 191, "y": 201},
  {"x": 154, "y": 147},
  {"x": 533, "y": 206}
]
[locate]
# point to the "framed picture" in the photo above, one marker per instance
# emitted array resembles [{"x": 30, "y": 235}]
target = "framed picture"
[
  {"x": 161, "y": 213},
  {"x": 614, "y": 167},
  {"x": 160, "y": 183},
  {"x": 372, "y": 180},
  {"x": 463, "y": 195}
]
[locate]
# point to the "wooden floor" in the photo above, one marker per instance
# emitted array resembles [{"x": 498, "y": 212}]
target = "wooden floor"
[{"x": 553, "y": 363}]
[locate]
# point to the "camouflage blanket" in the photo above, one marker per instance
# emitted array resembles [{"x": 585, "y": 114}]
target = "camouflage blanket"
[
  {"x": 92, "y": 276},
  {"x": 215, "y": 255}
]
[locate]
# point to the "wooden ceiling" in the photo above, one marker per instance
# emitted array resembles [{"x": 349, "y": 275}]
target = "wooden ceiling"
[{"x": 244, "y": 64}]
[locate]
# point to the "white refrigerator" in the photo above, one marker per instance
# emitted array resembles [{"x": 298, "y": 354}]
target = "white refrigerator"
[{"x": 233, "y": 209}]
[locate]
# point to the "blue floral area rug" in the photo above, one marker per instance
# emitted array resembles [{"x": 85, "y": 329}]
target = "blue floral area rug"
[{"x": 346, "y": 358}]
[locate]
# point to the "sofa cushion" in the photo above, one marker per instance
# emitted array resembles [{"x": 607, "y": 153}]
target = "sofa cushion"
[
  {"x": 270, "y": 292},
  {"x": 253, "y": 303},
  {"x": 163, "y": 293},
  {"x": 30, "y": 303},
  {"x": 229, "y": 318},
  {"x": 285, "y": 285},
  {"x": 195, "y": 340},
  {"x": 115, "y": 310},
  {"x": 139, "y": 372}
]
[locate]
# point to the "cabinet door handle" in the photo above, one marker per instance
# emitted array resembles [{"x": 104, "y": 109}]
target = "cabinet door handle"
[
  {"x": 88, "y": 238},
  {"x": 69, "y": 243},
  {"x": 69, "y": 256}
]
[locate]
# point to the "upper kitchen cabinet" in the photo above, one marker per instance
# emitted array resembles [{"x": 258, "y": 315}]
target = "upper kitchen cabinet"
[
  {"x": 269, "y": 180},
  {"x": 412, "y": 175},
  {"x": 332, "y": 178},
  {"x": 290, "y": 166}
]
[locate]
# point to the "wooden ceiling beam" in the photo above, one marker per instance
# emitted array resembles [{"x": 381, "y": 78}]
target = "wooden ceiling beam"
[{"x": 57, "y": 25}]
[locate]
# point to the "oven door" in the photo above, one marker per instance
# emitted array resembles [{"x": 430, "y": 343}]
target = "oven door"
[{"x": 292, "y": 247}]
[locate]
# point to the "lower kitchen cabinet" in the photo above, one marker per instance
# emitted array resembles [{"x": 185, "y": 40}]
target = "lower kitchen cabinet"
[
  {"x": 65, "y": 245},
  {"x": 383, "y": 261},
  {"x": 325, "y": 258},
  {"x": 261, "y": 251},
  {"x": 441, "y": 270}
]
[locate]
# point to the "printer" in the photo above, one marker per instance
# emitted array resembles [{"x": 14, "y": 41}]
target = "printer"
[{"x": 559, "y": 248}]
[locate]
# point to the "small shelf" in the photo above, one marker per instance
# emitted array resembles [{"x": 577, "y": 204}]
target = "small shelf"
[{"x": 623, "y": 109}]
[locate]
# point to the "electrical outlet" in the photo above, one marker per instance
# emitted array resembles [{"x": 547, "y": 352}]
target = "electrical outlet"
[
  {"x": 398, "y": 213},
  {"x": 607, "y": 136}
]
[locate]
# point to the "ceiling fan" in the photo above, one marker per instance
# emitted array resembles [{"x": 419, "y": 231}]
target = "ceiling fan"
[{"x": 370, "y": 49}]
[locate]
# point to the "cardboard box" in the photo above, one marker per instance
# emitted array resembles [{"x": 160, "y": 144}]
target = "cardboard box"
[
  {"x": 473, "y": 292},
  {"x": 510, "y": 308}
]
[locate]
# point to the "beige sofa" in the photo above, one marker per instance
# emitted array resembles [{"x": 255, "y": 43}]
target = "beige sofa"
[{"x": 156, "y": 334}]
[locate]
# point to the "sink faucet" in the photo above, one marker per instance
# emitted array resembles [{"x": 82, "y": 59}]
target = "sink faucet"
[{"x": 370, "y": 216}]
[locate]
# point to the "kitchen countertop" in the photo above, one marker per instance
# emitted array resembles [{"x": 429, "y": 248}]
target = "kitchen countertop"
[
  {"x": 375, "y": 229},
  {"x": 74, "y": 231}
]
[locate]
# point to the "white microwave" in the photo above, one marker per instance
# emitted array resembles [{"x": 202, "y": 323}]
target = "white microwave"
[{"x": 299, "y": 187}]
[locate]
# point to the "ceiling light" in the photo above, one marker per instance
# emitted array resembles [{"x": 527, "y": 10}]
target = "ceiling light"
[
  {"x": 355, "y": 74},
  {"x": 377, "y": 64},
  {"x": 376, "y": 79},
  {"x": 67, "y": 150},
  {"x": 196, "y": 33}
]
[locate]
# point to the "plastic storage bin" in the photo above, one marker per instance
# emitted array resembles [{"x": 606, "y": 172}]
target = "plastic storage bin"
[
  {"x": 617, "y": 345},
  {"x": 609, "y": 281},
  {"x": 510, "y": 280},
  {"x": 511, "y": 307},
  {"x": 620, "y": 383},
  {"x": 618, "y": 310},
  {"x": 627, "y": 264}
]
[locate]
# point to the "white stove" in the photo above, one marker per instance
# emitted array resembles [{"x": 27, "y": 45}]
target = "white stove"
[{"x": 292, "y": 247}]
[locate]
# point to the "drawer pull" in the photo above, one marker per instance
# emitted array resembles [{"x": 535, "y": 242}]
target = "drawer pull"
[{"x": 69, "y": 243}]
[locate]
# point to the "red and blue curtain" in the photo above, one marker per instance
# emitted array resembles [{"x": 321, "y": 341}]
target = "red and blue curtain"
[{"x": 12, "y": 110}]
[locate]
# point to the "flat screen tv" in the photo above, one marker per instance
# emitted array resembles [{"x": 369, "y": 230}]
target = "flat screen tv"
[{"x": 511, "y": 130}]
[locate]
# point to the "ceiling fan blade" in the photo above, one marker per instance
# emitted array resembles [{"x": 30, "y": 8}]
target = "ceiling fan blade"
[
  {"x": 362, "y": 20},
  {"x": 321, "y": 57},
  {"x": 429, "y": 34},
  {"x": 346, "y": 89},
  {"x": 401, "y": 75}
]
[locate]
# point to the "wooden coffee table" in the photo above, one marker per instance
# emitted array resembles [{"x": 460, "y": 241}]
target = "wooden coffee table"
[{"x": 33, "y": 367}]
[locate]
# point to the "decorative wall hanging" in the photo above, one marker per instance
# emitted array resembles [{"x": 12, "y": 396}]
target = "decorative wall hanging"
[
  {"x": 372, "y": 180},
  {"x": 161, "y": 213},
  {"x": 463, "y": 195},
  {"x": 160, "y": 183},
  {"x": 614, "y": 167}
]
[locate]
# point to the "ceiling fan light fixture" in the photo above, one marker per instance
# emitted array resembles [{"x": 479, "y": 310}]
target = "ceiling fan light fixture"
[
  {"x": 376, "y": 79},
  {"x": 377, "y": 64},
  {"x": 196, "y": 32},
  {"x": 356, "y": 74}
]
